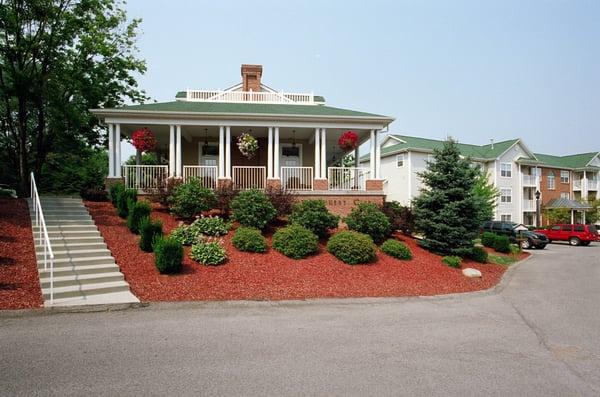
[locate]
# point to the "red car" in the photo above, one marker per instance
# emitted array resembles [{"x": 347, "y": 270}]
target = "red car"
[{"x": 575, "y": 234}]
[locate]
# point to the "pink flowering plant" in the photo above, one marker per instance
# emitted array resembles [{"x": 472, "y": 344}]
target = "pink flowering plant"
[{"x": 247, "y": 144}]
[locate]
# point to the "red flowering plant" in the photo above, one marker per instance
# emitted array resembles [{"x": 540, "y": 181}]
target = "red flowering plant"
[
  {"x": 348, "y": 140},
  {"x": 143, "y": 140}
]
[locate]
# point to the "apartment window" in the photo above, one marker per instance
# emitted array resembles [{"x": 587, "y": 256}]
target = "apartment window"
[
  {"x": 564, "y": 177},
  {"x": 400, "y": 160},
  {"x": 506, "y": 170},
  {"x": 565, "y": 195},
  {"x": 506, "y": 217},
  {"x": 430, "y": 158},
  {"x": 506, "y": 195},
  {"x": 551, "y": 181}
]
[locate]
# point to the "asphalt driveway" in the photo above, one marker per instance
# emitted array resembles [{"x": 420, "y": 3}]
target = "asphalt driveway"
[{"x": 538, "y": 335}]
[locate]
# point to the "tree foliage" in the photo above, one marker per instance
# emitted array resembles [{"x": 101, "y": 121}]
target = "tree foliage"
[
  {"x": 446, "y": 212},
  {"x": 558, "y": 215},
  {"x": 486, "y": 195},
  {"x": 58, "y": 59}
]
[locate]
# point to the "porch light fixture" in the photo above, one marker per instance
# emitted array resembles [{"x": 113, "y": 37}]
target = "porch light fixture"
[
  {"x": 205, "y": 138},
  {"x": 537, "y": 209}
]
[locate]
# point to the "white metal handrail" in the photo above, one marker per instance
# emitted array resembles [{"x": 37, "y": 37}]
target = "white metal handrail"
[
  {"x": 249, "y": 177},
  {"x": 347, "y": 178},
  {"x": 249, "y": 96},
  {"x": 145, "y": 177},
  {"x": 206, "y": 174},
  {"x": 297, "y": 178},
  {"x": 44, "y": 238}
]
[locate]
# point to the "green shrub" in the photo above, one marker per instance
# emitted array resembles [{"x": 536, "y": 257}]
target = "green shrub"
[
  {"x": 295, "y": 242},
  {"x": 150, "y": 231},
  {"x": 452, "y": 261},
  {"x": 478, "y": 254},
  {"x": 138, "y": 210},
  {"x": 282, "y": 200},
  {"x": 400, "y": 217},
  {"x": 123, "y": 199},
  {"x": 208, "y": 253},
  {"x": 168, "y": 255},
  {"x": 185, "y": 235},
  {"x": 313, "y": 215},
  {"x": 252, "y": 208},
  {"x": 352, "y": 247},
  {"x": 396, "y": 249},
  {"x": 114, "y": 191},
  {"x": 502, "y": 244},
  {"x": 249, "y": 239},
  {"x": 367, "y": 218},
  {"x": 191, "y": 198},
  {"x": 515, "y": 249},
  {"x": 210, "y": 226},
  {"x": 488, "y": 239}
]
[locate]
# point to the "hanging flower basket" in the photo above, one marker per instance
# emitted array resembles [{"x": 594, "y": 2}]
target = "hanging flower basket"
[
  {"x": 247, "y": 144},
  {"x": 143, "y": 140},
  {"x": 348, "y": 140}
]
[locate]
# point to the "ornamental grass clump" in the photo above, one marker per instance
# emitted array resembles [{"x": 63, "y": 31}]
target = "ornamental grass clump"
[
  {"x": 295, "y": 242},
  {"x": 313, "y": 215},
  {"x": 191, "y": 198},
  {"x": 367, "y": 218},
  {"x": 249, "y": 239},
  {"x": 137, "y": 211},
  {"x": 352, "y": 247},
  {"x": 150, "y": 231},
  {"x": 396, "y": 249},
  {"x": 168, "y": 255},
  {"x": 210, "y": 253},
  {"x": 252, "y": 208}
]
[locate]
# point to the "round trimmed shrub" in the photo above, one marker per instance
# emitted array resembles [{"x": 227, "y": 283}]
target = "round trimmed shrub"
[
  {"x": 452, "y": 261},
  {"x": 168, "y": 255},
  {"x": 352, "y": 247},
  {"x": 249, "y": 239},
  {"x": 502, "y": 244},
  {"x": 478, "y": 254},
  {"x": 488, "y": 239},
  {"x": 252, "y": 208},
  {"x": 150, "y": 231},
  {"x": 396, "y": 249},
  {"x": 314, "y": 215},
  {"x": 208, "y": 253},
  {"x": 367, "y": 218},
  {"x": 184, "y": 234},
  {"x": 137, "y": 211},
  {"x": 295, "y": 242},
  {"x": 210, "y": 226},
  {"x": 191, "y": 198}
]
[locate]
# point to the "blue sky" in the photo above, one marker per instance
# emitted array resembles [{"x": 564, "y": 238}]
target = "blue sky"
[{"x": 474, "y": 70}]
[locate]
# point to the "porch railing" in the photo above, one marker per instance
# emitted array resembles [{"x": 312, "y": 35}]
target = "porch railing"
[
  {"x": 530, "y": 180},
  {"x": 206, "y": 174},
  {"x": 245, "y": 177},
  {"x": 145, "y": 177},
  {"x": 592, "y": 184},
  {"x": 297, "y": 178},
  {"x": 249, "y": 96},
  {"x": 43, "y": 237},
  {"x": 347, "y": 178},
  {"x": 577, "y": 184}
]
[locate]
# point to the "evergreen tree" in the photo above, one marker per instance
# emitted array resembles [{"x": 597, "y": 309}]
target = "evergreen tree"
[
  {"x": 447, "y": 211},
  {"x": 487, "y": 195}
]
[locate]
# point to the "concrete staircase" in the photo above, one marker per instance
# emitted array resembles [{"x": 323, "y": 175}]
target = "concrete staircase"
[{"x": 85, "y": 273}]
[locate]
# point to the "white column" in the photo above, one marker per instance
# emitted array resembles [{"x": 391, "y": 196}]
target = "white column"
[
  {"x": 276, "y": 170},
  {"x": 270, "y": 154},
  {"x": 372, "y": 158},
  {"x": 111, "y": 152},
  {"x": 179, "y": 152},
  {"x": 118, "y": 151},
  {"x": 221, "y": 152},
  {"x": 227, "y": 152},
  {"x": 584, "y": 192},
  {"x": 356, "y": 162},
  {"x": 323, "y": 153},
  {"x": 171, "y": 150},
  {"x": 377, "y": 156},
  {"x": 317, "y": 153},
  {"x": 520, "y": 196}
]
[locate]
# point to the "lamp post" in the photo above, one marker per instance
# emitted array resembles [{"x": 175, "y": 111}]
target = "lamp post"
[{"x": 537, "y": 208}]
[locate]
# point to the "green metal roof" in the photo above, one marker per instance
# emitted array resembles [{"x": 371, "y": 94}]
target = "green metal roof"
[
  {"x": 572, "y": 161},
  {"x": 247, "y": 108},
  {"x": 318, "y": 98},
  {"x": 566, "y": 203}
]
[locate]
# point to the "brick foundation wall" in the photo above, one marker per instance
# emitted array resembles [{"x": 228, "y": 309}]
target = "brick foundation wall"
[
  {"x": 224, "y": 182},
  {"x": 320, "y": 184},
  {"x": 342, "y": 204},
  {"x": 374, "y": 185},
  {"x": 274, "y": 183}
]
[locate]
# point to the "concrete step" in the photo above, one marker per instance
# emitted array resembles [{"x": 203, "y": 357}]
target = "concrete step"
[
  {"x": 66, "y": 246},
  {"x": 57, "y": 240},
  {"x": 68, "y": 228},
  {"x": 86, "y": 289},
  {"x": 66, "y": 218},
  {"x": 80, "y": 270},
  {"x": 76, "y": 253},
  {"x": 81, "y": 279},
  {"x": 75, "y": 262},
  {"x": 65, "y": 211},
  {"x": 74, "y": 234},
  {"x": 122, "y": 297},
  {"x": 74, "y": 222}
]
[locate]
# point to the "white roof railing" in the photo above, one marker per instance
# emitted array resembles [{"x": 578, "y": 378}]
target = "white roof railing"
[{"x": 250, "y": 96}]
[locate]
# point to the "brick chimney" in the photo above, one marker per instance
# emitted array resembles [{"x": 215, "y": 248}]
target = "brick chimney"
[{"x": 251, "y": 75}]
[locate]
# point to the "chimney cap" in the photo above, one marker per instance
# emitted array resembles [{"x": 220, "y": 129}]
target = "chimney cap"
[{"x": 253, "y": 69}]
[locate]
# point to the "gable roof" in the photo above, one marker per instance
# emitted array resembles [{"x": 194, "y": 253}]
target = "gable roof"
[{"x": 574, "y": 161}]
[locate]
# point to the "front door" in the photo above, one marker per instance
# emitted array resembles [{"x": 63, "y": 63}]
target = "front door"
[
  {"x": 209, "y": 155},
  {"x": 290, "y": 156}
]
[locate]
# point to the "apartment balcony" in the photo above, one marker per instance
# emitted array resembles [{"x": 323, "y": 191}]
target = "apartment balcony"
[
  {"x": 529, "y": 206},
  {"x": 592, "y": 185},
  {"x": 530, "y": 181},
  {"x": 577, "y": 184}
]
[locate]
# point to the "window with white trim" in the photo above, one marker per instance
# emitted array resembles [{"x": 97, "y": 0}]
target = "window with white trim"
[
  {"x": 506, "y": 195},
  {"x": 506, "y": 217},
  {"x": 506, "y": 170},
  {"x": 551, "y": 181},
  {"x": 565, "y": 195},
  {"x": 564, "y": 177},
  {"x": 400, "y": 160}
]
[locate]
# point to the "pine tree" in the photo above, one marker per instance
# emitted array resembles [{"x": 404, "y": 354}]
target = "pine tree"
[{"x": 446, "y": 212}]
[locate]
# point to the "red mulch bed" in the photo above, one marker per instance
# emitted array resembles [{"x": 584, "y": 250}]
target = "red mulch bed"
[
  {"x": 272, "y": 276},
  {"x": 19, "y": 282}
]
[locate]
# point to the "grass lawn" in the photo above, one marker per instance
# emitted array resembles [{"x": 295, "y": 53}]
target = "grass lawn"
[{"x": 502, "y": 259}]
